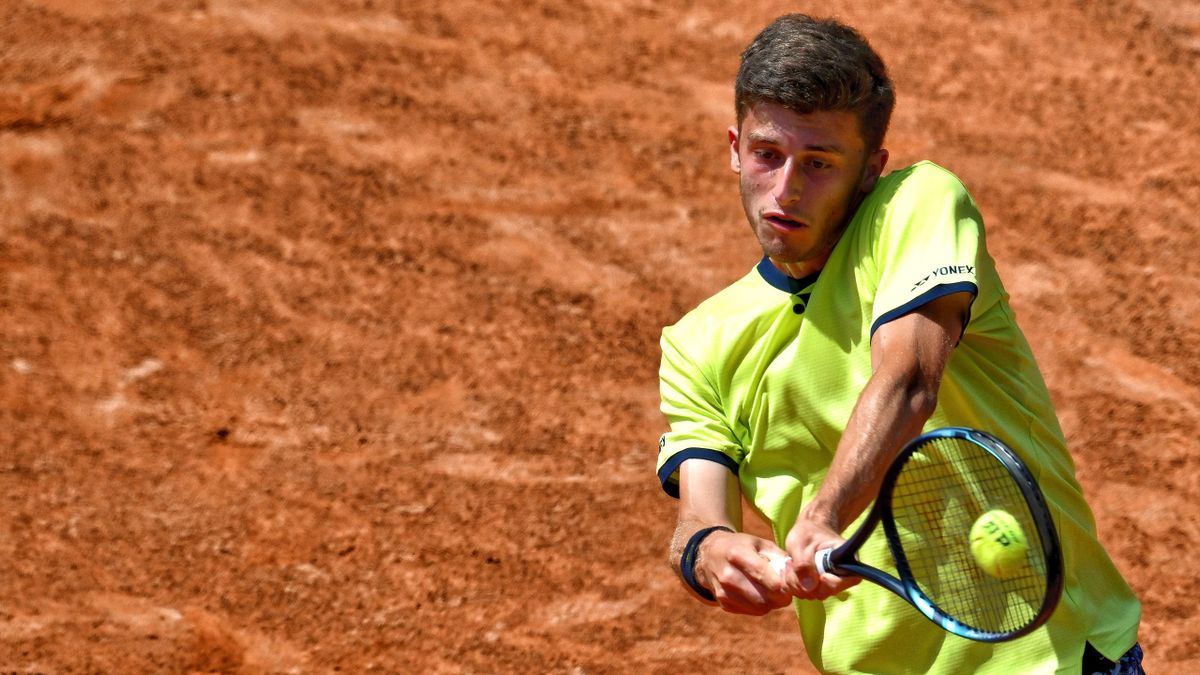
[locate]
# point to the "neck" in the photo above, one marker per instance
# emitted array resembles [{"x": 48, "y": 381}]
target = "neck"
[{"x": 799, "y": 270}]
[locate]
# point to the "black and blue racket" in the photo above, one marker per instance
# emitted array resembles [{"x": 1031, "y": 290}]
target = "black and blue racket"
[{"x": 945, "y": 488}]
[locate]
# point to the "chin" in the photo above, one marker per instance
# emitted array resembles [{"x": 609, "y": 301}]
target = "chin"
[
  {"x": 775, "y": 252},
  {"x": 779, "y": 251},
  {"x": 775, "y": 247},
  {"x": 783, "y": 256}
]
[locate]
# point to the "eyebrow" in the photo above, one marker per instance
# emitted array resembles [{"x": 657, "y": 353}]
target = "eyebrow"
[{"x": 756, "y": 137}]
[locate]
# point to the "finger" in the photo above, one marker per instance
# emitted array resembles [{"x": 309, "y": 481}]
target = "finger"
[
  {"x": 746, "y": 595},
  {"x": 831, "y": 585},
  {"x": 837, "y": 584},
  {"x": 767, "y": 548},
  {"x": 780, "y": 563},
  {"x": 807, "y": 577},
  {"x": 765, "y": 573},
  {"x": 754, "y": 566},
  {"x": 803, "y": 558},
  {"x": 783, "y": 568},
  {"x": 763, "y": 600},
  {"x": 781, "y": 573},
  {"x": 748, "y": 610},
  {"x": 741, "y": 598},
  {"x": 780, "y": 567},
  {"x": 777, "y": 596}
]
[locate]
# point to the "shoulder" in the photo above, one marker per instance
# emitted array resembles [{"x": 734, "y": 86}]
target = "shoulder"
[
  {"x": 711, "y": 327},
  {"x": 916, "y": 184},
  {"x": 729, "y": 304},
  {"x": 914, "y": 201}
]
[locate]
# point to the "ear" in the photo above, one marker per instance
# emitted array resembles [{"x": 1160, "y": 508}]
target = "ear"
[
  {"x": 735, "y": 162},
  {"x": 873, "y": 170}
]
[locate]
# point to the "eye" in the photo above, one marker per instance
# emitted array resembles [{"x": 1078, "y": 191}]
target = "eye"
[
  {"x": 765, "y": 155},
  {"x": 818, "y": 164}
]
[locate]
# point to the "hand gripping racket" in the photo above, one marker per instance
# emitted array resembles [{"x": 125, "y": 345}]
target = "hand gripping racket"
[{"x": 932, "y": 495}]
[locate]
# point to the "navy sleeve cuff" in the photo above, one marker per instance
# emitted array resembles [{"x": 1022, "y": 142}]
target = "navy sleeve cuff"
[
  {"x": 666, "y": 475},
  {"x": 928, "y": 297}
]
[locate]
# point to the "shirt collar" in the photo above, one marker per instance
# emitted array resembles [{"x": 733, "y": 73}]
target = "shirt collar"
[{"x": 774, "y": 276}]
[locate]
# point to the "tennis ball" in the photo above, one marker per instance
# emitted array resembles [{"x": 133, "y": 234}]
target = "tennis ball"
[{"x": 998, "y": 544}]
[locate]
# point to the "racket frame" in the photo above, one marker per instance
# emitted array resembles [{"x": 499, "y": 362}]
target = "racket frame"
[{"x": 843, "y": 561}]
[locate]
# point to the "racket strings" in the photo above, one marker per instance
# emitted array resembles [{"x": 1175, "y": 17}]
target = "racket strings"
[{"x": 939, "y": 494}]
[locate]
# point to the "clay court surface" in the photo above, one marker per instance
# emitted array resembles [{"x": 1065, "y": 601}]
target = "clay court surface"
[{"x": 329, "y": 329}]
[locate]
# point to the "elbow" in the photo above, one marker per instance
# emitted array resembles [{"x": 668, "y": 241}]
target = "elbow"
[{"x": 922, "y": 397}]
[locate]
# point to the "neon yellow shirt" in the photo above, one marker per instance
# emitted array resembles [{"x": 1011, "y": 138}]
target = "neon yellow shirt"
[{"x": 762, "y": 377}]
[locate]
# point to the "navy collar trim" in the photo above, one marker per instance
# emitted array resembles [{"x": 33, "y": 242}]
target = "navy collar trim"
[{"x": 774, "y": 276}]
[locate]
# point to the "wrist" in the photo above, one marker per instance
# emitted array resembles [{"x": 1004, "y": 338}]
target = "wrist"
[
  {"x": 691, "y": 557},
  {"x": 823, "y": 515}
]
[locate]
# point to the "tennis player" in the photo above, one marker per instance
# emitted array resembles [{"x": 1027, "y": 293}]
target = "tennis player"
[{"x": 875, "y": 312}]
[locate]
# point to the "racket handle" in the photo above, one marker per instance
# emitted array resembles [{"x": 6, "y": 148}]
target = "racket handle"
[{"x": 824, "y": 566}]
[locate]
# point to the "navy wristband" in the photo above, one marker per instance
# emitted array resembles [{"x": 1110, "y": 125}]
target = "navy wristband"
[{"x": 687, "y": 562}]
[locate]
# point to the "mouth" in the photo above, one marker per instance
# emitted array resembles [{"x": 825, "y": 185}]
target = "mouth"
[{"x": 783, "y": 222}]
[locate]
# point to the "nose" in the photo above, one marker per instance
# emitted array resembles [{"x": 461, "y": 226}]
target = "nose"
[{"x": 788, "y": 183}]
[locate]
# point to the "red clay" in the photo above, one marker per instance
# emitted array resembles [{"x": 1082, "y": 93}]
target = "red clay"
[{"x": 330, "y": 329}]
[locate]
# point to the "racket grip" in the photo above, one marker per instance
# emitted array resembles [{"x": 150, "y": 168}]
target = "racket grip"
[{"x": 824, "y": 566}]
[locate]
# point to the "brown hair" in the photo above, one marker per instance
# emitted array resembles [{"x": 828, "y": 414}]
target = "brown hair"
[{"x": 807, "y": 64}]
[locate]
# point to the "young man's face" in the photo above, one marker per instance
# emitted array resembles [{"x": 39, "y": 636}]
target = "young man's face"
[{"x": 801, "y": 175}]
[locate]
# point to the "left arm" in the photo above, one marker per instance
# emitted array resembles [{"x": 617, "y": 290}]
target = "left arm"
[{"x": 908, "y": 358}]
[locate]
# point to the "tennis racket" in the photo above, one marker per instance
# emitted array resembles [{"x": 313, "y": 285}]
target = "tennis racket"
[{"x": 932, "y": 495}]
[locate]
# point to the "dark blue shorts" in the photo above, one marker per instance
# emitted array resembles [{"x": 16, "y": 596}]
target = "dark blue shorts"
[{"x": 1130, "y": 662}]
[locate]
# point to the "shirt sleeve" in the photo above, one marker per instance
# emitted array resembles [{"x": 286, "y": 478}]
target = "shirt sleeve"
[
  {"x": 926, "y": 246},
  {"x": 698, "y": 429}
]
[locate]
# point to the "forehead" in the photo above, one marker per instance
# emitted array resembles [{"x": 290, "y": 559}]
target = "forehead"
[{"x": 834, "y": 130}]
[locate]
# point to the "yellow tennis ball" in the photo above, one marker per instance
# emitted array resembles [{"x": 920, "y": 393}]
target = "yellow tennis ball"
[{"x": 998, "y": 544}]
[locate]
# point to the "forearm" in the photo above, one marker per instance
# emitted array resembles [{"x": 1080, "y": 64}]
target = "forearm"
[
  {"x": 909, "y": 357},
  {"x": 709, "y": 495},
  {"x": 732, "y": 569},
  {"x": 892, "y": 409}
]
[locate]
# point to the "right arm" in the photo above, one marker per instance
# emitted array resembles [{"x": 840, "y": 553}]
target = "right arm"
[{"x": 733, "y": 565}]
